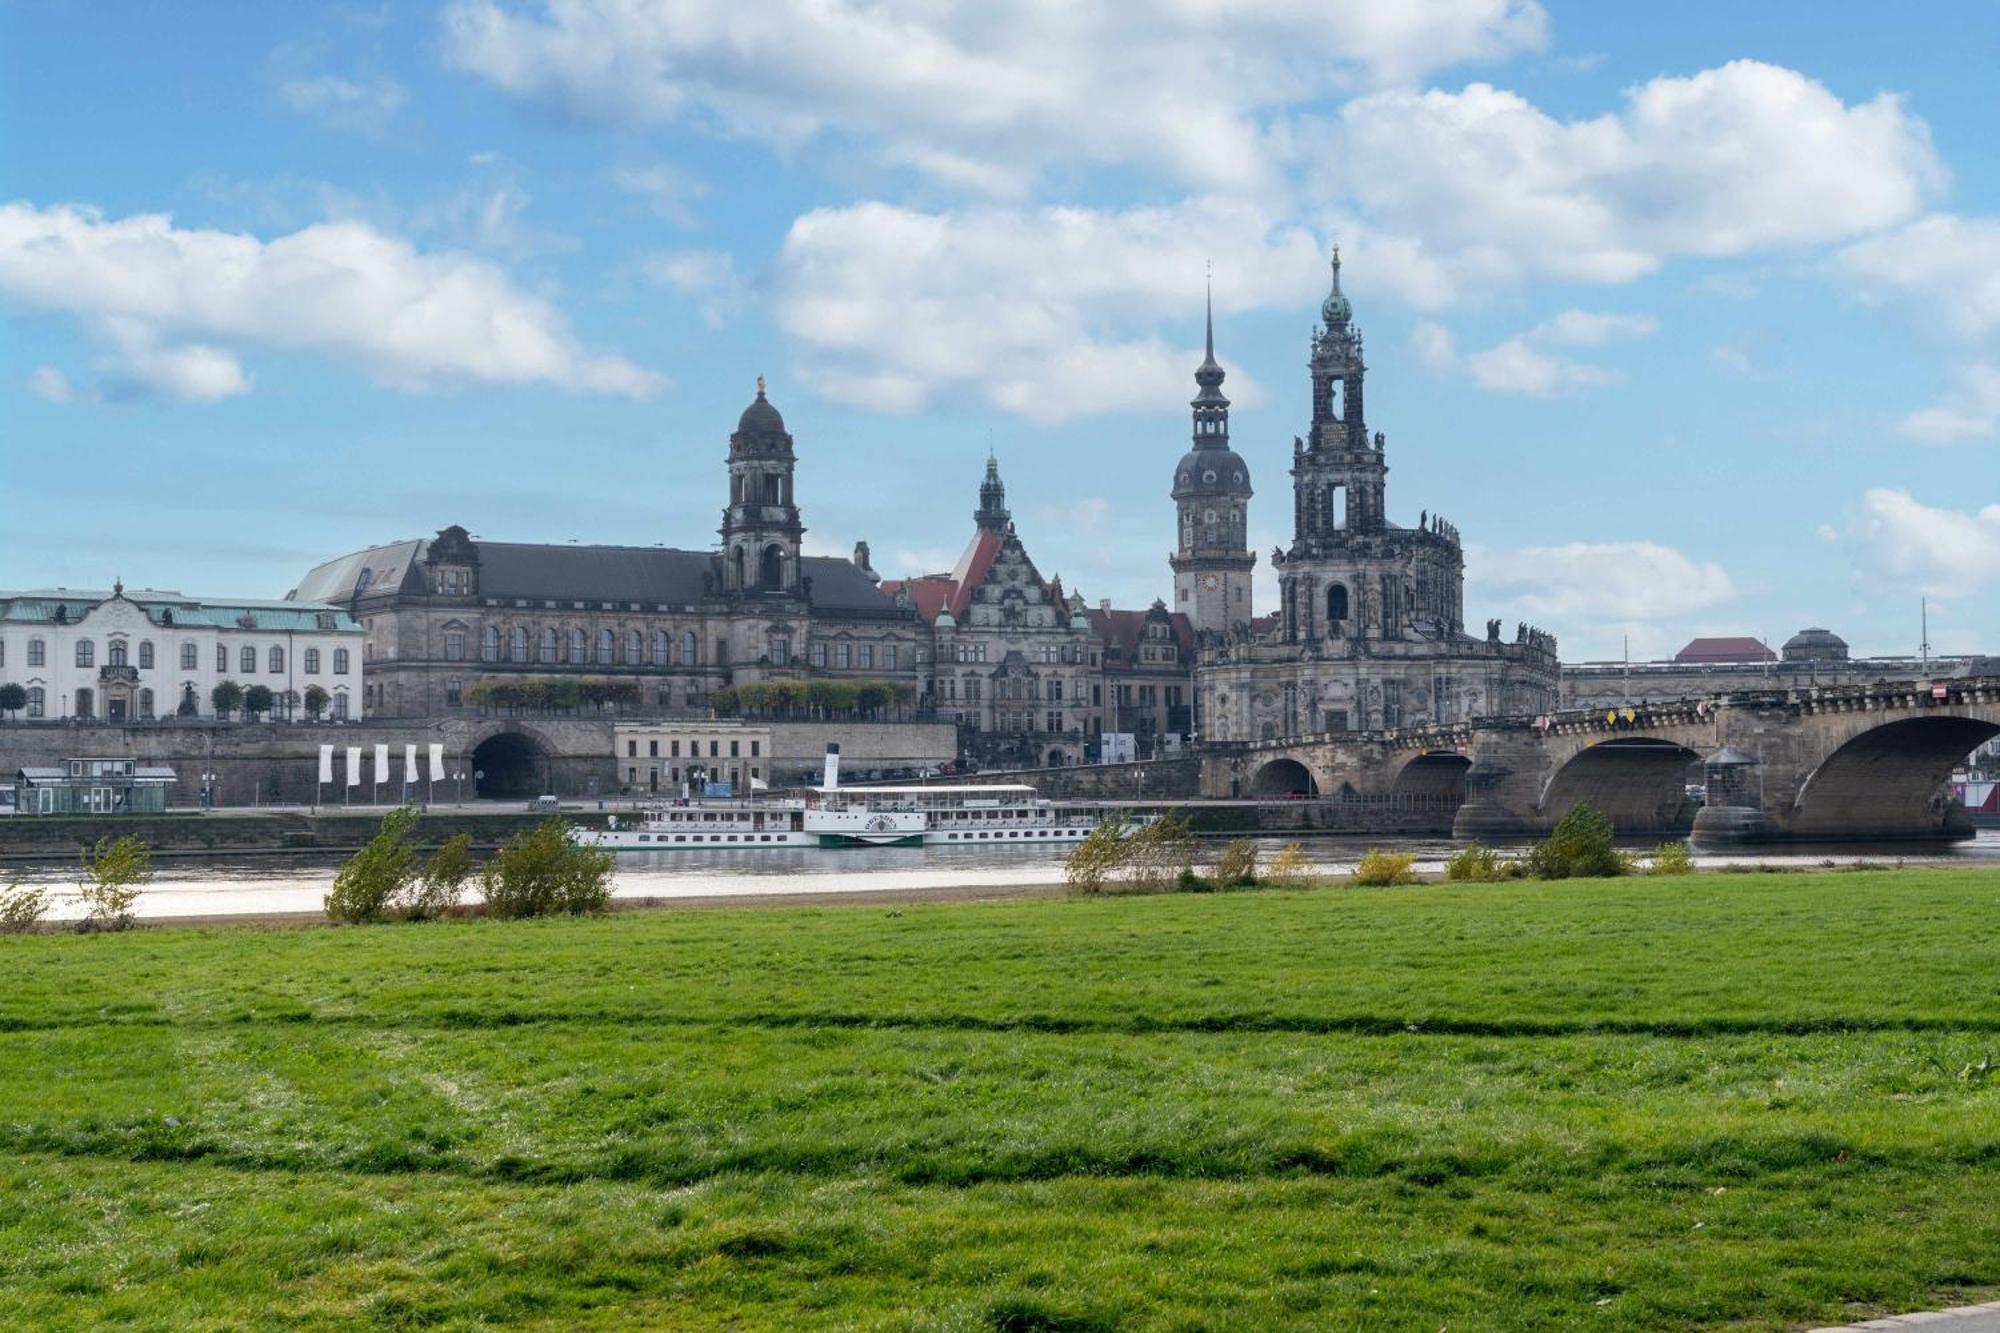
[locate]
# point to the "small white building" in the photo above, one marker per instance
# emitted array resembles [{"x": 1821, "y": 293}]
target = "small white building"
[
  {"x": 135, "y": 656},
  {"x": 662, "y": 757}
]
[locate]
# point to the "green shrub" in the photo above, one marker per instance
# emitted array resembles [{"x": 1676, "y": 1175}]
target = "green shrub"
[
  {"x": 1091, "y": 862},
  {"x": 1237, "y": 866},
  {"x": 1380, "y": 868},
  {"x": 437, "y": 888},
  {"x": 377, "y": 875},
  {"x": 1580, "y": 848},
  {"x": 1157, "y": 855},
  {"x": 544, "y": 872},
  {"x": 1190, "y": 882},
  {"x": 21, "y": 909},
  {"x": 1291, "y": 868},
  {"x": 114, "y": 872},
  {"x": 1475, "y": 863},
  {"x": 1673, "y": 858}
]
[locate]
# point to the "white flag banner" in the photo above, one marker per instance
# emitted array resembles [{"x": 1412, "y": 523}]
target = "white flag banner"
[
  {"x": 326, "y": 763},
  {"x": 354, "y": 766},
  {"x": 381, "y": 764},
  {"x": 437, "y": 761},
  {"x": 410, "y": 774}
]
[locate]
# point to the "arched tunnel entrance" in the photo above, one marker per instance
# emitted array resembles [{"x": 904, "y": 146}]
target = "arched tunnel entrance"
[
  {"x": 1438, "y": 776},
  {"x": 1283, "y": 777},
  {"x": 509, "y": 764},
  {"x": 1888, "y": 782},
  {"x": 1639, "y": 783}
]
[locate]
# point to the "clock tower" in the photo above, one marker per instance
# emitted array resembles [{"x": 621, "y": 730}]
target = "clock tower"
[{"x": 1212, "y": 561}]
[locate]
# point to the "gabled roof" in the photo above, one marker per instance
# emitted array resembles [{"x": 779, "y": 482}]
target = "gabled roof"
[
  {"x": 1122, "y": 632},
  {"x": 932, "y": 593},
  {"x": 1738, "y": 648}
]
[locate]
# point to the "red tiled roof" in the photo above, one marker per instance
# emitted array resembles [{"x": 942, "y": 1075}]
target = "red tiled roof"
[
  {"x": 952, "y": 592},
  {"x": 1740, "y": 648},
  {"x": 1264, "y": 624},
  {"x": 1123, "y": 631}
]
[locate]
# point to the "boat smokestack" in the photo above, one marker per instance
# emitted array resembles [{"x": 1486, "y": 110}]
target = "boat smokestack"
[{"x": 832, "y": 765}]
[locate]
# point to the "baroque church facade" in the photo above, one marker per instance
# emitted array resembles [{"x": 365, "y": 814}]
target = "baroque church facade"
[
  {"x": 1369, "y": 632},
  {"x": 441, "y": 612}
]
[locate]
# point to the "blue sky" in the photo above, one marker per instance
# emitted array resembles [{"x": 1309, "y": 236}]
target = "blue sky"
[{"x": 1689, "y": 316}]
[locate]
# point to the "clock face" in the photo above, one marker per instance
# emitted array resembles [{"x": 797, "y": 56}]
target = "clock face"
[{"x": 1210, "y": 582}]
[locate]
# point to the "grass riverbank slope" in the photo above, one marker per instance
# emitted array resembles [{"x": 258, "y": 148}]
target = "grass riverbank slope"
[{"x": 1741, "y": 1100}]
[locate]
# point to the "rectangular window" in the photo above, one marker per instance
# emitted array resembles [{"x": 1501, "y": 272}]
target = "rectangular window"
[
  {"x": 37, "y": 653},
  {"x": 277, "y": 661},
  {"x": 631, "y": 749},
  {"x": 454, "y": 645},
  {"x": 867, "y": 662},
  {"x": 843, "y": 656},
  {"x": 340, "y": 661},
  {"x": 312, "y": 661},
  {"x": 454, "y": 693},
  {"x": 756, "y": 748},
  {"x": 819, "y": 653},
  {"x": 652, "y": 749},
  {"x": 736, "y": 749},
  {"x": 781, "y": 650},
  {"x": 222, "y": 658},
  {"x": 340, "y": 704},
  {"x": 1055, "y": 689},
  {"x": 246, "y": 660},
  {"x": 889, "y": 657},
  {"x": 675, "y": 752},
  {"x": 715, "y": 749}
]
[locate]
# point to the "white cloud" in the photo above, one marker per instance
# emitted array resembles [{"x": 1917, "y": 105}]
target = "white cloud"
[
  {"x": 1524, "y": 363},
  {"x": 175, "y": 306},
  {"x": 50, "y": 385},
  {"x": 360, "y": 106},
  {"x": 1639, "y": 580},
  {"x": 1971, "y": 411},
  {"x": 706, "y": 277},
  {"x": 1735, "y": 357},
  {"x": 1944, "y": 552},
  {"x": 668, "y": 191},
  {"x": 1445, "y": 192},
  {"x": 1943, "y": 268},
  {"x": 1047, "y": 313},
  {"x": 979, "y": 96}
]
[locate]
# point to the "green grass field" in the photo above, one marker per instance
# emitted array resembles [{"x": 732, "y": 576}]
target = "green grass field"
[{"x": 1724, "y": 1101}]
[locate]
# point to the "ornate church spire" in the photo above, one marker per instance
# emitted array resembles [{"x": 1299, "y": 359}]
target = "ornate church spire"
[
  {"x": 992, "y": 512},
  {"x": 1335, "y": 312},
  {"x": 1211, "y": 408}
]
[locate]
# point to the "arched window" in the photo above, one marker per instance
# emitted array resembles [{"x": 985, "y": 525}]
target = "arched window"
[
  {"x": 579, "y": 648},
  {"x": 38, "y": 704},
  {"x": 146, "y": 655},
  {"x": 607, "y": 647},
  {"x": 146, "y": 704},
  {"x": 634, "y": 648},
  {"x": 246, "y": 660},
  {"x": 277, "y": 661},
  {"x": 662, "y": 648},
  {"x": 489, "y": 644},
  {"x": 1336, "y": 507},
  {"x": 188, "y": 658},
  {"x": 312, "y": 661},
  {"x": 86, "y": 653},
  {"x": 117, "y": 654},
  {"x": 517, "y": 644},
  {"x": 771, "y": 568},
  {"x": 1336, "y": 603},
  {"x": 86, "y": 704},
  {"x": 551, "y": 649},
  {"x": 340, "y": 661},
  {"x": 736, "y": 558},
  {"x": 38, "y": 652},
  {"x": 690, "y": 649}
]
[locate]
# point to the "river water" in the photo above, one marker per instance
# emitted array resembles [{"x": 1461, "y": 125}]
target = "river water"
[{"x": 296, "y": 884}]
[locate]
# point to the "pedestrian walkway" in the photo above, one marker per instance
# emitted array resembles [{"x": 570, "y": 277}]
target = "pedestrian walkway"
[{"x": 1960, "y": 1319}]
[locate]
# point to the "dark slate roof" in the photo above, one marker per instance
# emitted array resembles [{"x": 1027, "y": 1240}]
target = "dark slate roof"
[
  {"x": 654, "y": 574},
  {"x": 840, "y": 585}
]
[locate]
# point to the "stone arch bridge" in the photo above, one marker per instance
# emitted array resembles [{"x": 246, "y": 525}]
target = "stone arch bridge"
[{"x": 1855, "y": 763}]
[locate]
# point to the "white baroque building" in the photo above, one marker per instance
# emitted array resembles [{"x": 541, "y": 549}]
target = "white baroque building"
[{"x": 136, "y": 656}]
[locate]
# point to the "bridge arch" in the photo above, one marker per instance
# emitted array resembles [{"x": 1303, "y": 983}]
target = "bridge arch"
[
  {"x": 1888, "y": 779},
  {"x": 1283, "y": 777},
  {"x": 1436, "y": 774},
  {"x": 1639, "y": 782},
  {"x": 512, "y": 762}
]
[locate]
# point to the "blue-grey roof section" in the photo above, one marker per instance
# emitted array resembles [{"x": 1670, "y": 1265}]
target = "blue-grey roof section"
[{"x": 41, "y": 606}]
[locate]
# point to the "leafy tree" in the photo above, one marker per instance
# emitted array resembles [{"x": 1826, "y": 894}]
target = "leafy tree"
[
  {"x": 316, "y": 701},
  {"x": 1379, "y": 868},
  {"x": 437, "y": 888},
  {"x": 227, "y": 697},
  {"x": 13, "y": 698},
  {"x": 21, "y": 908},
  {"x": 257, "y": 701},
  {"x": 1579, "y": 848},
  {"x": 114, "y": 872},
  {"x": 543, "y": 871},
  {"x": 374, "y": 876},
  {"x": 1237, "y": 866}
]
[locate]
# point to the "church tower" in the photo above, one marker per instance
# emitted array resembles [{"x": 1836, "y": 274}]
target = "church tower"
[
  {"x": 1212, "y": 561},
  {"x": 760, "y": 528},
  {"x": 1338, "y": 472},
  {"x": 992, "y": 515}
]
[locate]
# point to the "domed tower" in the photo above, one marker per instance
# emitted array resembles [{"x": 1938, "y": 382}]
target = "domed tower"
[
  {"x": 1212, "y": 562},
  {"x": 761, "y": 528},
  {"x": 1338, "y": 473}
]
